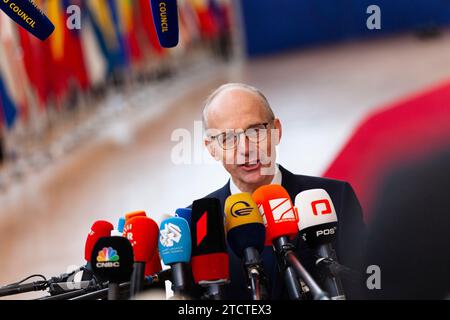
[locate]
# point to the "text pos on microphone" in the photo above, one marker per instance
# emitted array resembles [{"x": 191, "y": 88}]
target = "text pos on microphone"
[{"x": 28, "y": 16}]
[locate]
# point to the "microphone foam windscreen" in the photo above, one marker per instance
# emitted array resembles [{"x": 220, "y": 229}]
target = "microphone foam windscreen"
[
  {"x": 112, "y": 259},
  {"x": 142, "y": 232},
  {"x": 209, "y": 249},
  {"x": 153, "y": 266},
  {"x": 244, "y": 224},
  {"x": 184, "y": 213},
  {"x": 165, "y": 17},
  {"x": 278, "y": 213},
  {"x": 317, "y": 216},
  {"x": 175, "y": 241},
  {"x": 99, "y": 230},
  {"x": 131, "y": 215},
  {"x": 26, "y": 14}
]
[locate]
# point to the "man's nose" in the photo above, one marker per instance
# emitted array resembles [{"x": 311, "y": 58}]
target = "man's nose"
[{"x": 243, "y": 145}]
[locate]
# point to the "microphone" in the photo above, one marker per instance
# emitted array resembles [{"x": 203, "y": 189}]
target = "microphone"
[
  {"x": 165, "y": 18},
  {"x": 134, "y": 214},
  {"x": 318, "y": 228},
  {"x": 26, "y": 14},
  {"x": 246, "y": 234},
  {"x": 280, "y": 220},
  {"x": 175, "y": 248},
  {"x": 98, "y": 230},
  {"x": 142, "y": 232},
  {"x": 210, "y": 266},
  {"x": 112, "y": 260},
  {"x": 184, "y": 213}
]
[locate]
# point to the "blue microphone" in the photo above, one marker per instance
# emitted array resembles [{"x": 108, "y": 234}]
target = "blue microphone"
[
  {"x": 175, "y": 249},
  {"x": 121, "y": 224},
  {"x": 184, "y": 213},
  {"x": 26, "y": 14},
  {"x": 165, "y": 17}
]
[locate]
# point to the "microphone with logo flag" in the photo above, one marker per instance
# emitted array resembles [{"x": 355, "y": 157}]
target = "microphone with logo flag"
[
  {"x": 142, "y": 232},
  {"x": 209, "y": 260},
  {"x": 165, "y": 17},
  {"x": 280, "y": 219},
  {"x": 175, "y": 248},
  {"x": 26, "y": 14},
  {"x": 246, "y": 235},
  {"x": 318, "y": 228},
  {"x": 112, "y": 261}
]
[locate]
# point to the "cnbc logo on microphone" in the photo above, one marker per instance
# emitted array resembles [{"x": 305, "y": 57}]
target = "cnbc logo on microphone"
[
  {"x": 241, "y": 209},
  {"x": 108, "y": 258}
]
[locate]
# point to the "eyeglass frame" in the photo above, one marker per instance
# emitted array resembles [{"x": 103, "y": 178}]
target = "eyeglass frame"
[{"x": 238, "y": 135}]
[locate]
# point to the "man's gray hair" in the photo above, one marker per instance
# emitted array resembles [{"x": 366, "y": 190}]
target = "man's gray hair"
[{"x": 226, "y": 86}]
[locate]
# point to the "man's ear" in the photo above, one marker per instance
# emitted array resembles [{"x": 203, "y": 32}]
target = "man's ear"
[{"x": 277, "y": 125}]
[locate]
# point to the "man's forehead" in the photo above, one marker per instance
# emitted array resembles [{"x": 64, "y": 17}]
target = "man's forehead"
[{"x": 236, "y": 108}]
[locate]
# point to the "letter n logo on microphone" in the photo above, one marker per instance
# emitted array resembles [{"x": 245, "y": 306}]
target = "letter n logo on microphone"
[
  {"x": 315, "y": 205},
  {"x": 202, "y": 227}
]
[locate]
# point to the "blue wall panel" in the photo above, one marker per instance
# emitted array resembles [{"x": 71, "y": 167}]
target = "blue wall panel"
[{"x": 276, "y": 25}]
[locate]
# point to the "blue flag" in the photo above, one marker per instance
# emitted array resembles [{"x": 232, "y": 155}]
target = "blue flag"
[{"x": 7, "y": 108}]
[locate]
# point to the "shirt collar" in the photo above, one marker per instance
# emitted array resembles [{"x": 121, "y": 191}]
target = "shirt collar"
[{"x": 277, "y": 178}]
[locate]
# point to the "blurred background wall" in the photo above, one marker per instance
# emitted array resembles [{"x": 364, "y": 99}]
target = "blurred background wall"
[{"x": 91, "y": 117}]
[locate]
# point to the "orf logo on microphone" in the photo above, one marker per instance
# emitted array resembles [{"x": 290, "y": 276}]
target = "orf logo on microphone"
[
  {"x": 241, "y": 209},
  {"x": 108, "y": 258},
  {"x": 321, "y": 203}
]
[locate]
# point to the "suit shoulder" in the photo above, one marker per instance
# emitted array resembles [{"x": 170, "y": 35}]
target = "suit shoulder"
[{"x": 321, "y": 181}]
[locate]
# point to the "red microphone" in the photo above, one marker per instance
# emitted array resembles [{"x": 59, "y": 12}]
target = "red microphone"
[
  {"x": 142, "y": 232},
  {"x": 99, "y": 230},
  {"x": 279, "y": 214},
  {"x": 281, "y": 218}
]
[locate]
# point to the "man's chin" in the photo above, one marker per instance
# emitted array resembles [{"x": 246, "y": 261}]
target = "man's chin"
[{"x": 252, "y": 176}]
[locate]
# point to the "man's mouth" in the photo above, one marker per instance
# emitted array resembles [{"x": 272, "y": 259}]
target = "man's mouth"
[{"x": 251, "y": 165}]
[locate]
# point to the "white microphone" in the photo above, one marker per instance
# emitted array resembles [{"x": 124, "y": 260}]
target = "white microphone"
[{"x": 318, "y": 228}]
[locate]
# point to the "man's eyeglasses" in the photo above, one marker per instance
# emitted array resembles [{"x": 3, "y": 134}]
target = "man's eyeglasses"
[{"x": 230, "y": 139}]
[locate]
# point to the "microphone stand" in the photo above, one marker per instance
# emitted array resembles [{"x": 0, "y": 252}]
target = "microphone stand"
[
  {"x": 286, "y": 250},
  {"x": 256, "y": 276}
]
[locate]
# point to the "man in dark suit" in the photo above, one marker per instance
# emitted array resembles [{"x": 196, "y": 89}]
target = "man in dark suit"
[{"x": 242, "y": 132}]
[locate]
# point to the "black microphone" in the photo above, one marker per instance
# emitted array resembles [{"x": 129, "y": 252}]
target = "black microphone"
[
  {"x": 28, "y": 16},
  {"x": 246, "y": 235},
  {"x": 112, "y": 261},
  {"x": 175, "y": 247},
  {"x": 210, "y": 261},
  {"x": 318, "y": 228}
]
